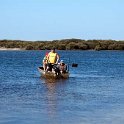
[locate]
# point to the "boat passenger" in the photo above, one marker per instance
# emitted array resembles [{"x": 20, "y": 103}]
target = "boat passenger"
[
  {"x": 53, "y": 59},
  {"x": 45, "y": 61},
  {"x": 62, "y": 67}
]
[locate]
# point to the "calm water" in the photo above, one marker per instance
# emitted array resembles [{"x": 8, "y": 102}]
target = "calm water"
[{"x": 94, "y": 93}]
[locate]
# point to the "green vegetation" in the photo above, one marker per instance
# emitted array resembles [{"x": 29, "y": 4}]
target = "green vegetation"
[{"x": 65, "y": 44}]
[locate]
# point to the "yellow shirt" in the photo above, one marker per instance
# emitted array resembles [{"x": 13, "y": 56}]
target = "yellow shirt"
[{"x": 52, "y": 57}]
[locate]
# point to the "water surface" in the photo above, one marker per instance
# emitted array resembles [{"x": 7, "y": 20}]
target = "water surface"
[{"x": 93, "y": 94}]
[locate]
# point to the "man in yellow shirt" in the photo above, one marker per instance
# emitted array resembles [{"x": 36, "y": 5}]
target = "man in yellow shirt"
[{"x": 52, "y": 58}]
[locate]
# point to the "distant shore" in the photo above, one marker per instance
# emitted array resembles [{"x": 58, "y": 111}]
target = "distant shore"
[{"x": 65, "y": 44}]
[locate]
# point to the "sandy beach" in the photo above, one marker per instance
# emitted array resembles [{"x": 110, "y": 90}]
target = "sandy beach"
[{"x": 3, "y": 48}]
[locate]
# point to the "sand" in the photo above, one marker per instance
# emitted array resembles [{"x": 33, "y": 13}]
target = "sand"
[{"x": 3, "y": 48}]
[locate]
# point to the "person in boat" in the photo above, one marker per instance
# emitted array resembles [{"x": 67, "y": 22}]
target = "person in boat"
[
  {"x": 62, "y": 67},
  {"x": 45, "y": 61},
  {"x": 53, "y": 59}
]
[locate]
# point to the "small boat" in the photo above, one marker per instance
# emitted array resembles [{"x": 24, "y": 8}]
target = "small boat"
[{"x": 50, "y": 74}]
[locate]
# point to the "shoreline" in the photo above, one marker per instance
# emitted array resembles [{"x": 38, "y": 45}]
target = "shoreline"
[
  {"x": 22, "y": 49},
  {"x": 66, "y": 44},
  {"x": 3, "y": 48}
]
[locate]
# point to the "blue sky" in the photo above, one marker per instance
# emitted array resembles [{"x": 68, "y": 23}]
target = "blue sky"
[{"x": 61, "y": 19}]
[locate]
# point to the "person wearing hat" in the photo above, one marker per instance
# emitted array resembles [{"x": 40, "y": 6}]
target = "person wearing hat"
[{"x": 62, "y": 67}]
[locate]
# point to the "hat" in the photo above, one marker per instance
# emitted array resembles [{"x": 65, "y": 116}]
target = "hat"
[{"x": 61, "y": 61}]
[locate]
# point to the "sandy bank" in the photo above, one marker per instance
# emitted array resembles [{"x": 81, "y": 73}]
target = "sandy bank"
[{"x": 3, "y": 48}]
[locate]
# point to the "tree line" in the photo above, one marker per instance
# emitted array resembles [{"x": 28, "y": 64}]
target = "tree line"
[{"x": 65, "y": 44}]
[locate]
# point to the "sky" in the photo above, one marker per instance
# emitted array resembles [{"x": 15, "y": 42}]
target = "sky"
[{"x": 61, "y": 19}]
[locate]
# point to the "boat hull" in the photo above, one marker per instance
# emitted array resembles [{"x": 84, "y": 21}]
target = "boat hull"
[{"x": 52, "y": 74}]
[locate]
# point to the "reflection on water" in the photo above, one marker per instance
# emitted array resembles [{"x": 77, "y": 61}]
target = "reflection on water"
[
  {"x": 53, "y": 94},
  {"x": 51, "y": 98}
]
